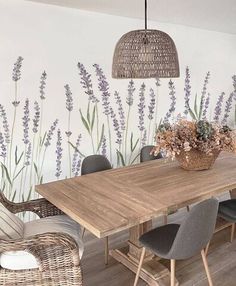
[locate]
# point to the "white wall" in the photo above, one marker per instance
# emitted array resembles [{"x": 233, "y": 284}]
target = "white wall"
[{"x": 54, "y": 39}]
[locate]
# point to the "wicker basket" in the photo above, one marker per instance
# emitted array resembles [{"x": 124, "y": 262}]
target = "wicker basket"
[{"x": 196, "y": 160}]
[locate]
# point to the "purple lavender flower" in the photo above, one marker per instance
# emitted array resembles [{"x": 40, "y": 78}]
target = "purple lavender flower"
[
  {"x": 36, "y": 117},
  {"x": 218, "y": 108},
  {"x": 104, "y": 88},
  {"x": 28, "y": 155},
  {"x": 69, "y": 106},
  {"x": 3, "y": 147},
  {"x": 75, "y": 155},
  {"x": 141, "y": 107},
  {"x": 173, "y": 101},
  {"x": 104, "y": 146},
  {"x": 42, "y": 85},
  {"x": 50, "y": 133},
  {"x": 204, "y": 90},
  {"x": 151, "y": 105},
  {"x": 130, "y": 96},
  {"x": 87, "y": 82},
  {"x": 144, "y": 138},
  {"x": 15, "y": 103},
  {"x": 120, "y": 110},
  {"x": 187, "y": 90},
  {"x": 206, "y": 106},
  {"x": 5, "y": 124},
  {"x": 78, "y": 166},
  {"x": 69, "y": 98},
  {"x": 234, "y": 82},
  {"x": 25, "y": 122},
  {"x": 228, "y": 107},
  {"x": 68, "y": 133},
  {"x": 58, "y": 154},
  {"x": 158, "y": 82},
  {"x": 16, "y": 74},
  {"x": 116, "y": 126}
]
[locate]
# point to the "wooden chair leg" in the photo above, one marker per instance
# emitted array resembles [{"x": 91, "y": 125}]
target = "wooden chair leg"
[
  {"x": 165, "y": 219},
  {"x": 83, "y": 232},
  {"x": 188, "y": 208},
  {"x": 172, "y": 272},
  {"x": 207, "y": 248},
  {"x": 106, "y": 250},
  {"x": 139, "y": 266},
  {"x": 204, "y": 259},
  {"x": 232, "y": 232}
]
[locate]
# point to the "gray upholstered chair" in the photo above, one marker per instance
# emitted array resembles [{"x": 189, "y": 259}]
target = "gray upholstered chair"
[
  {"x": 146, "y": 156},
  {"x": 177, "y": 242},
  {"x": 95, "y": 163},
  {"x": 92, "y": 164},
  {"x": 227, "y": 211}
]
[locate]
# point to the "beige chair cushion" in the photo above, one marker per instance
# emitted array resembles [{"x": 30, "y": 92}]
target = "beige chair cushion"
[
  {"x": 19, "y": 260},
  {"x": 11, "y": 227}
]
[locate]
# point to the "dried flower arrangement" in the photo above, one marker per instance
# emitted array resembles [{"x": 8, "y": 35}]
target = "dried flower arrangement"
[
  {"x": 192, "y": 142},
  {"x": 196, "y": 144},
  {"x": 200, "y": 135}
]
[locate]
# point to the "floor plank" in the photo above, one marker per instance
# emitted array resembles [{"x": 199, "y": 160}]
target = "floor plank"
[{"x": 221, "y": 259}]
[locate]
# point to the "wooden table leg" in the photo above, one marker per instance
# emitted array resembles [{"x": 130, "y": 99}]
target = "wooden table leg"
[
  {"x": 135, "y": 248},
  {"x": 233, "y": 194},
  {"x": 153, "y": 272}
]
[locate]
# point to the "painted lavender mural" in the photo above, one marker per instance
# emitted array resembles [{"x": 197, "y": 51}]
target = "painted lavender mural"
[{"x": 106, "y": 125}]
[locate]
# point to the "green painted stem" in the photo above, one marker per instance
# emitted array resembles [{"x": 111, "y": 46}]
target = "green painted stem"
[
  {"x": 109, "y": 134},
  {"x": 234, "y": 114},
  {"x": 6, "y": 161},
  {"x": 126, "y": 133},
  {"x": 25, "y": 178},
  {"x": 141, "y": 136},
  {"x": 149, "y": 131},
  {"x": 97, "y": 118},
  {"x": 123, "y": 141},
  {"x": 130, "y": 157},
  {"x": 39, "y": 148},
  {"x": 118, "y": 157},
  {"x": 41, "y": 168},
  {"x": 2, "y": 179},
  {"x": 155, "y": 116},
  {"x": 14, "y": 173},
  {"x": 32, "y": 161},
  {"x": 12, "y": 131},
  {"x": 91, "y": 136},
  {"x": 69, "y": 154},
  {"x": 22, "y": 174}
]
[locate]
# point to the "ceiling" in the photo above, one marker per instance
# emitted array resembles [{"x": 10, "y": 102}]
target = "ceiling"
[{"x": 216, "y": 15}]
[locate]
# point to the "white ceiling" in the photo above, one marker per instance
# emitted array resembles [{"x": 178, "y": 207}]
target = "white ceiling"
[{"x": 216, "y": 15}]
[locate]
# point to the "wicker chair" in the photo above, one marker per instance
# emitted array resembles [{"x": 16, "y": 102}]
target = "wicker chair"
[{"x": 57, "y": 254}]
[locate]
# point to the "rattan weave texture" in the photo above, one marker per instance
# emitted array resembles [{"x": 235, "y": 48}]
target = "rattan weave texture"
[
  {"x": 57, "y": 253},
  {"x": 145, "y": 54},
  {"x": 196, "y": 160}
]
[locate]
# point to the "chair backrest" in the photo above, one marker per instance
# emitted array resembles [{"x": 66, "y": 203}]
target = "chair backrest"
[
  {"x": 196, "y": 231},
  {"x": 146, "y": 156},
  {"x": 95, "y": 163}
]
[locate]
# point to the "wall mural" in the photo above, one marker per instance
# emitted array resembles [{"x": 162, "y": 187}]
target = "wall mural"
[{"x": 22, "y": 165}]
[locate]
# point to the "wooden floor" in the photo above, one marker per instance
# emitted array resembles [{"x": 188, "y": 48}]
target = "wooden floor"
[{"x": 221, "y": 258}]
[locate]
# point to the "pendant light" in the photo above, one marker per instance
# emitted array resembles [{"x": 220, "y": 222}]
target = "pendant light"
[{"x": 145, "y": 54}]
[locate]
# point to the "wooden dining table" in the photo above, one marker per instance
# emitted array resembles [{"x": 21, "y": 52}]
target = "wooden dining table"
[{"x": 110, "y": 201}]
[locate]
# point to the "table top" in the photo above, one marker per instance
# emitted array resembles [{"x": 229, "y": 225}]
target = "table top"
[{"x": 113, "y": 200}]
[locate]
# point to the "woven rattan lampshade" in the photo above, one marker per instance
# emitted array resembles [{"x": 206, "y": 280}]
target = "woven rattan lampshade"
[{"x": 145, "y": 54}]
